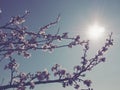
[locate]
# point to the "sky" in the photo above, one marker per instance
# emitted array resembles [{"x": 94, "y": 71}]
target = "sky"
[{"x": 76, "y": 16}]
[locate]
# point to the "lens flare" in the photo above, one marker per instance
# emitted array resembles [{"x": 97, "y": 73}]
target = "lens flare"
[{"x": 95, "y": 31}]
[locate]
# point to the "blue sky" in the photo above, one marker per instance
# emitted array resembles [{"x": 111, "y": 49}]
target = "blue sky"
[{"x": 76, "y": 16}]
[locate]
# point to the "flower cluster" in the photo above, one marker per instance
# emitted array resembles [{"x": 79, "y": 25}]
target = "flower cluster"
[
  {"x": 48, "y": 47},
  {"x": 70, "y": 79},
  {"x": 59, "y": 71},
  {"x": 44, "y": 75},
  {"x": 2, "y": 36},
  {"x": 77, "y": 68},
  {"x": 21, "y": 80},
  {"x": 12, "y": 65},
  {"x": 17, "y": 20},
  {"x": 75, "y": 42},
  {"x": 22, "y": 77}
]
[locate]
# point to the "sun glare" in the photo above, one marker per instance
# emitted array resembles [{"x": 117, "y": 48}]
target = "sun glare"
[{"x": 95, "y": 31}]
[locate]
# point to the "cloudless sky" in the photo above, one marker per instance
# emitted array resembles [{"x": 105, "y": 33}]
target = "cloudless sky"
[{"x": 76, "y": 16}]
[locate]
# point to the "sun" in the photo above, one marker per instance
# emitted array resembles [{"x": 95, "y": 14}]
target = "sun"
[{"x": 95, "y": 31}]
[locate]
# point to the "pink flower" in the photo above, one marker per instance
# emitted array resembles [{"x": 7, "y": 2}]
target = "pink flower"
[
  {"x": 21, "y": 87},
  {"x": 16, "y": 81},
  {"x": 11, "y": 46},
  {"x": 42, "y": 32},
  {"x": 45, "y": 47},
  {"x": 87, "y": 82},
  {"x": 70, "y": 45},
  {"x": 77, "y": 68},
  {"x": 62, "y": 71},
  {"x": 104, "y": 49},
  {"x": 100, "y": 53},
  {"x": 23, "y": 76},
  {"x": 77, "y": 38},
  {"x": 55, "y": 67},
  {"x": 32, "y": 84},
  {"x": 27, "y": 55},
  {"x": 65, "y": 35},
  {"x": 102, "y": 59},
  {"x": 76, "y": 86},
  {"x": 68, "y": 75}
]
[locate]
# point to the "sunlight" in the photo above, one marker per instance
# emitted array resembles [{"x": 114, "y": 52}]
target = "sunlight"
[{"x": 95, "y": 31}]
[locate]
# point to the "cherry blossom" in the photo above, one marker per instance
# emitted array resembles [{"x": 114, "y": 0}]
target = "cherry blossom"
[{"x": 16, "y": 39}]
